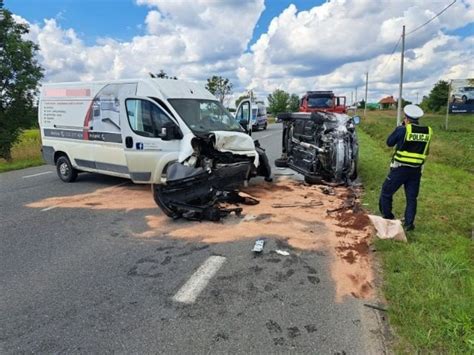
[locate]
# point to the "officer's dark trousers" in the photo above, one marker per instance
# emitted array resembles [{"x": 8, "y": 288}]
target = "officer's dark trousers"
[{"x": 410, "y": 178}]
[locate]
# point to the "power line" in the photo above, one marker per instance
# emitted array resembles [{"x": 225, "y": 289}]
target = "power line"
[
  {"x": 391, "y": 54},
  {"x": 431, "y": 19},
  {"x": 414, "y": 30}
]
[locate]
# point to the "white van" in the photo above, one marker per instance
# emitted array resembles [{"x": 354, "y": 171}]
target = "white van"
[
  {"x": 137, "y": 129},
  {"x": 258, "y": 115}
]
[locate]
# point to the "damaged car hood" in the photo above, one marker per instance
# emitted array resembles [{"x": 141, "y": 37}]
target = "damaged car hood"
[
  {"x": 233, "y": 141},
  {"x": 236, "y": 143},
  {"x": 224, "y": 141}
]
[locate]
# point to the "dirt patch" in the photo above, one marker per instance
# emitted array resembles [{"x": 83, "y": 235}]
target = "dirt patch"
[
  {"x": 306, "y": 227},
  {"x": 358, "y": 221},
  {"x": 121, "y": 197}
]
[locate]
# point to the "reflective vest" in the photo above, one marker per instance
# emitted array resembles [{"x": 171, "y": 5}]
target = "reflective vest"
[{"x": 415, "y": 145}]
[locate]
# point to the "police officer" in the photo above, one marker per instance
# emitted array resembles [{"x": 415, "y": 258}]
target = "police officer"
[{"x": 412, "y": 144}]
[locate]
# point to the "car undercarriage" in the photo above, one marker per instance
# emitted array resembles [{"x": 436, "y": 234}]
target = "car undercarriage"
[{"x": 320, "y": 145}]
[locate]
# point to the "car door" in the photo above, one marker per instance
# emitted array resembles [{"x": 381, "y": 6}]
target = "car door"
[
  {"x": 151, "y": 139},
  {"x": 243, "y": 115}
]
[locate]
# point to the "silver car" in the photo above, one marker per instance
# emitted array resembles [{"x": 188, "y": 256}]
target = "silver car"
[{"x": 463, "y": 94}]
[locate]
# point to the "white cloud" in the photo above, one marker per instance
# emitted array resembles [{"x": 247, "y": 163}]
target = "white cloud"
[
  {"x": 330, "y": 46},
  {"x": 191, "y": 40}
]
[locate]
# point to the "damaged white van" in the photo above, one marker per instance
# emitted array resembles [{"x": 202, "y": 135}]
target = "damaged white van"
[{"x": 169, "y": 133}]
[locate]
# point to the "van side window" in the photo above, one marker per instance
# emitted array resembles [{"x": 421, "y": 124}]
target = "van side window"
[{"x": 145, "y": 118}]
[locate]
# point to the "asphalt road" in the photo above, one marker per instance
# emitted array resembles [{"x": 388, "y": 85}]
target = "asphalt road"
[{"x": 74, "y": 280}]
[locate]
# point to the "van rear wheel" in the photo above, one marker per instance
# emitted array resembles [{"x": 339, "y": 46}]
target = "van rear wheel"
[{"x": 65, "y": 170}]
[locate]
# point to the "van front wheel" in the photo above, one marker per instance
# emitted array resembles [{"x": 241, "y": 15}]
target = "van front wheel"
[{"x": 65, "y": 170}]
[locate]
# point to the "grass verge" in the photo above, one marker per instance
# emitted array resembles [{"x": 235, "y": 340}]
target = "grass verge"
[
  {"x": 25, "y": 153},
  {"x": 429, "y": 282},
  {"x": 453, "y": 147}
]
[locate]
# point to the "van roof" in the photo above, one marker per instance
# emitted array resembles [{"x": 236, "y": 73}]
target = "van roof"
[{"x": 169, "y": 88}]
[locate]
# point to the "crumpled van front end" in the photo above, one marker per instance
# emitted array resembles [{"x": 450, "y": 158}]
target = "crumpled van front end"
[{"x": 216, "y": 156}]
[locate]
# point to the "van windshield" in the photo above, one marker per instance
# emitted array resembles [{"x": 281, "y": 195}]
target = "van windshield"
[{"x": 205, "y": 115}]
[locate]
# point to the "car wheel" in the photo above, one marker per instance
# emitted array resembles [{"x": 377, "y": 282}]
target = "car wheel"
[
  {"x": 65, "y": 170},
  {"x": 464, "y": 99},
  {"x": 281, "y": 163},
  {"x": 312, "y": 180},
  {"x": 265, "y": 127}
]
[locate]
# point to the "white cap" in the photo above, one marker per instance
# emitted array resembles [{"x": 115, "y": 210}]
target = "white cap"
[{"x": 413, "y": 111}]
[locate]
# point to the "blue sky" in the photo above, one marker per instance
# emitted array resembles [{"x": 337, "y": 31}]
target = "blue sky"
[
  {"x": 87, "y": 16},
  {"x": 313, "y": 44}
]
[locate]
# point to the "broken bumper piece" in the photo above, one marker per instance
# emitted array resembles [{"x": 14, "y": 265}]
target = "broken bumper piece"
[{"x": 196, "y": 194}]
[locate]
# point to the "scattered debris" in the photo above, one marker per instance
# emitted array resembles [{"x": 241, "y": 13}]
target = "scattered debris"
[
  {"x": 199, "y": 202},
  {"x": 282, "y": 252},
  {"x": 249, "y": 217},
  {"x": 296, "y": 204},
  {"x": 375, "y": 307},
  {"x": 388, "y": 228},
  {"x": 328, "y": 190},
  {"x": 258, "y": 247},
  {"x": 351, "y": 201},
  {"x": 310, "y": 229}
]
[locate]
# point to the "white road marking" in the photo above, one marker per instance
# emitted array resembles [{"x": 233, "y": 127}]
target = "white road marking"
[
  {"x": 199, "y": 280},
  {"x": 48, "y": 208},
  {"x": 267, "y": 135},
  {"x": 30, "y": 176}
]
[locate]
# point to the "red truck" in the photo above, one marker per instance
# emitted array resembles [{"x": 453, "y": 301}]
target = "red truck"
[{"x": 324, "y": 101}]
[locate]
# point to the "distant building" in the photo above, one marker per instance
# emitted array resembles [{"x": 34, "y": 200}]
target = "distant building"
[{"x": 388, "y": 103}]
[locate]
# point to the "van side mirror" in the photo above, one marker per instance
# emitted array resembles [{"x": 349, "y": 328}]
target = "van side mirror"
[
  {"x": 170, "y": 131},
  {"x": 356, "y": 119}
]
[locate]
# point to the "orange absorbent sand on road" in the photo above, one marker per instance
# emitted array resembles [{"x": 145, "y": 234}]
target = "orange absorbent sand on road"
[{"x": 288, "y": 210}]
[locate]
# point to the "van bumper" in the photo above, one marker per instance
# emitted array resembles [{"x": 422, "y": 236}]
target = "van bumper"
[{"x": 197, "y": 193}]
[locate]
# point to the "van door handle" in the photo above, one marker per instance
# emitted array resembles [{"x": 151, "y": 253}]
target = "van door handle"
[{"x": 129, "y": 142}]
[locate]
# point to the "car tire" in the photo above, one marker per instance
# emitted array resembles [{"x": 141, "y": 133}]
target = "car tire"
[
  {"x": 65, "y": 170},
  {"x": 281, "y": 163},
  {"x": 265, "y": 127},
  {"x": 312, "y": 180}
]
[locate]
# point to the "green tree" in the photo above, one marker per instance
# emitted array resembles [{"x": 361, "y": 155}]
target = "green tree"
[
  {"x": 438, "y": 96},
  {"x": 241, "y": 97},
  {"x": 162, "y": 75},
  {"x": 294, "y": 103},
  {"x": 219, "y": 87},
  {"x": 278, "y": 101},
  {"x": 405, "y": 102},
  {"x": 19, "y": 77}
]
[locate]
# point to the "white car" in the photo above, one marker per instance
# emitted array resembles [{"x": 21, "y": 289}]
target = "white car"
[{"x": 463, "y": 94}]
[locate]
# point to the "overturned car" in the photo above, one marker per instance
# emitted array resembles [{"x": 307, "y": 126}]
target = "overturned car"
[{"x": 322, "y": 146}]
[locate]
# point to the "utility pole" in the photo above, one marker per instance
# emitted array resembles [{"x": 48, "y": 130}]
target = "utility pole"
[
  {"x": 366, "y": 88},
  {"x": 400, "y": 90},
  {"x": 447, "y": 105},
  {"x": 352, "y": 98},
  {"x": 417, "y": 97},
  {"x": 356, "y": 96}
]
